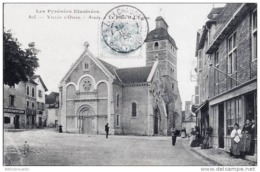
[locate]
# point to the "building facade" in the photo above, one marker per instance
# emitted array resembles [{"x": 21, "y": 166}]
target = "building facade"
[
  {"x": 40, "y": 100},
  {"x": 227, "y": 70},
  {"x": 20, "y": 105},
  {"x": 31, "y": 104},
  {"x": 139, "y": 101},
  {"x": 52, "y": 110},
  {"x": 189, "y": 119},
  {"x": 15, "y": 106}
]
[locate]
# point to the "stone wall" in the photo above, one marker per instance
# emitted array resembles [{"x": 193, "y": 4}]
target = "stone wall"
[
  {"x": 246, "y": 69},
  {"x": 135, "y": 125}
]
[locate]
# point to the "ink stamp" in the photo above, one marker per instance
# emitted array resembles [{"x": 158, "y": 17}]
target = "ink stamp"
[{"x": 124, "y": 28}]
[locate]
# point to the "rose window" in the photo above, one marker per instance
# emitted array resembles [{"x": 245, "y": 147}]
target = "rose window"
[{"x": 87, "y": 85}]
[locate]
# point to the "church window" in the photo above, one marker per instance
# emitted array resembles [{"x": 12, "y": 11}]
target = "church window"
[
  {"x": 172, "y": 49},
  {"x": 172, "y": 86},
  {"x": 86, "y": 66},
  {"x": 156, "y": 45},
  {"x": 172, "y": 71},
  {"x": 117, "y": 100},
  {"x": 133, "y": 109},
  {"x": 117, "y": 120},
  {"x": 87, "y": 85}
]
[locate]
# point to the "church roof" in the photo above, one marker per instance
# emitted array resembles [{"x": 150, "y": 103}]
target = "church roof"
[
  {"x": 161, "y": 18},
  {"x": 160, "y": 34},
  {"x": 108, "y": 66},
  {"x": 128, "y": 75},
  {"x": 111, "y": 69},
  {"x": 134, "y": 75}
]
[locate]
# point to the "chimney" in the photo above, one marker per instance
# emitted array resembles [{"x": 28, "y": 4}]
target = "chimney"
[
  {"x": 215, "y": 12},
  {"x": 161, "y": 23}
]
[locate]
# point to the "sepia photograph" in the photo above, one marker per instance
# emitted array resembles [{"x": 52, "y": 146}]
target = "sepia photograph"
[{"x": 130, "y": 84}]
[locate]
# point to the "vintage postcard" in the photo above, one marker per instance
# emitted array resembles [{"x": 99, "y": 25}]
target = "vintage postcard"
[{"x": 130, "y": 84}]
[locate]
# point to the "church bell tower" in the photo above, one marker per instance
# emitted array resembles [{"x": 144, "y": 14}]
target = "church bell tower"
[{"x": 161, "y": 47}]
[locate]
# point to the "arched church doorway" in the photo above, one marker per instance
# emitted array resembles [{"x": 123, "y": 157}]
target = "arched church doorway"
[
  {"x": 85, "y": 120},
  {"x": 156, "y": 120}
]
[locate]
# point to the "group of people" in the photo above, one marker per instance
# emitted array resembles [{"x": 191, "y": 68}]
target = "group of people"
[
  {"x": 242, "y": 141},
  {"x": 195, "y": 137}
]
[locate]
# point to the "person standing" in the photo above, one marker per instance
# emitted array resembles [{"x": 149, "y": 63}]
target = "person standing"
[
  {"x": 26, "y": 148},
  {"x": 107, "y": 130},
  {"x": 174, "y": 135},
  {"x": 246, "y": 137},
  {"x": 183, "y": 133},
  {"x": 192, "y": 135},
  {"x": 236, "y": 136},
  {"x": 253, "y": 136}
]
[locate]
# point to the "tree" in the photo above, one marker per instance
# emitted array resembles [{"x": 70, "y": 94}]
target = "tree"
[{"x": 19, "y": 64}]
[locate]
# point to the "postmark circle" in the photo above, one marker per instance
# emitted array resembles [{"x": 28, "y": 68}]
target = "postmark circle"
[{"x": 124, "y": 28}]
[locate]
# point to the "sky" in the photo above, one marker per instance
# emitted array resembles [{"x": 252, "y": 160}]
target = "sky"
[{"x": 61, "y": 40}]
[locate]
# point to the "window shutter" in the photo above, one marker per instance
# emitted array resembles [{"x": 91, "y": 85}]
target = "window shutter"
[{"x": 197, "y": 94}]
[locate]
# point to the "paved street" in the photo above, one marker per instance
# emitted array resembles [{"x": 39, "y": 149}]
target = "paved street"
[{"x": 48, "y": 147}]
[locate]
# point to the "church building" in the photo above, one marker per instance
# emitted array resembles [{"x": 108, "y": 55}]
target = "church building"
[{"x": 135, "y": 101}]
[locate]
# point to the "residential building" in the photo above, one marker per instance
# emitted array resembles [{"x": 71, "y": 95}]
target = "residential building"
[
  {"x": 189, "y": 120},
  {"x": 40, "y": 99},
  {"x": 31, "y": 104},
  {"x": 227, "y": 70},
  {"x": 20, "y": 105},
  {"x": 52, "y": 110}
]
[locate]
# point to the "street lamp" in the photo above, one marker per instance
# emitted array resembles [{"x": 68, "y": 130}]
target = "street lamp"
[{"x": 211, "y": 65}]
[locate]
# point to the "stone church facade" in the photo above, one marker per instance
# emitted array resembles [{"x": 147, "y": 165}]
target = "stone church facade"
[{"x": 137, "y": 101}]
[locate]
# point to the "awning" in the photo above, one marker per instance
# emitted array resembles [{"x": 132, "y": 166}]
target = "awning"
[{"x": 196, "y": 109}]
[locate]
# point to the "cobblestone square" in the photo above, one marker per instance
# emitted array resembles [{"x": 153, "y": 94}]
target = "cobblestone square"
[{"x": 48, "y": 147}]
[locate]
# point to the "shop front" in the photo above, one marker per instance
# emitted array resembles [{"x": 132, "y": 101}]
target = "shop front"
[
  {"x": 30, "y": 119},
  {"x": 230, "y": 108},
  {"x": 14, "y": 118}
]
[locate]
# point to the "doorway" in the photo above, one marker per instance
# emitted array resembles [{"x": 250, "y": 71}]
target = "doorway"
[
  {"x": 40, "y": 121},
  {"x": 85, "y": 119},
  {"x": 33, "y": 121},
  {"x": 16, "y": 122},
  {"x": 221, "y": 125},
  {"x": 156, "y": 121},
  {"x": 251, "y": 106}
]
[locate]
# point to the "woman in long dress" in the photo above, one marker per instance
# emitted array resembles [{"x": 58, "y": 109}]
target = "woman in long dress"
[
  {"x": 253, "y": 136},
  {"x": 183, "y": 133},
  {"x": 236, "y": 143},
  {"x": 192, "y": 135},
  {"x": 246, "y": 138}
]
